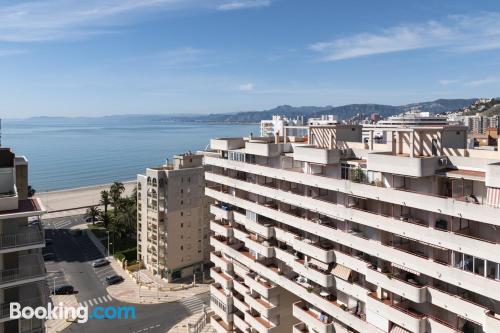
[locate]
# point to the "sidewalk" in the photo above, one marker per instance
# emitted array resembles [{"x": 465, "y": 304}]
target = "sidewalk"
[
  {"x": 54, "y": 326},
  {"x": 182, "y": 326},
  {"x": 129, "y": 290}
]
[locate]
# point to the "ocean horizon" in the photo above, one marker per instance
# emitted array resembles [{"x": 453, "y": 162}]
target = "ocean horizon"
[{"x": 65, "y": 153}]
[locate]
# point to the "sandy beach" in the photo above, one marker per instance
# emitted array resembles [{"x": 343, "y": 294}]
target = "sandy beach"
[{"x": 77, "y": 198}]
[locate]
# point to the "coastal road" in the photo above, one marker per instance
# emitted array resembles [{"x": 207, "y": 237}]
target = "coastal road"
[{"x": 73, "y": 265}]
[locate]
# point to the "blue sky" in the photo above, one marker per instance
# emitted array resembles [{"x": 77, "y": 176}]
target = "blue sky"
[{"x": 101, "y": 57}]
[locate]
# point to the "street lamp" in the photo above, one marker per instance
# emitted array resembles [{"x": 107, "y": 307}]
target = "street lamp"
[{"x": 107, "y": 232}]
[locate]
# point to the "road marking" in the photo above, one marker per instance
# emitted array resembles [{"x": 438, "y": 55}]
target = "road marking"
[{"x": 90, "y": 302}]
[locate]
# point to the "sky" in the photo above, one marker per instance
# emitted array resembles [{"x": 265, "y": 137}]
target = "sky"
[{"x": 104, "y": 57}]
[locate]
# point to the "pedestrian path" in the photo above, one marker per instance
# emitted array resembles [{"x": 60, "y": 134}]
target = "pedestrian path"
[
  {"x": 193, "y": 305},
  {"x": 53, "y": 326},
  {"x": 96, "y": 301}
]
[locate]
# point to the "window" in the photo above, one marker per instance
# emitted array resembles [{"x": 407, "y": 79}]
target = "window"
[
  {"x": 182, "y": 225},
  {"x": 182, "y": 248}
]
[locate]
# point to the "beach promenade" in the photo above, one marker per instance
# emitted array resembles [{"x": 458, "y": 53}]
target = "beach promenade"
[{"x": 77, "y": 198}]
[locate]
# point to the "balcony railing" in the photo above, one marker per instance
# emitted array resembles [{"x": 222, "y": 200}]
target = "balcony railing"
[
  {"x": 21, "y": 273},
  {"x": 30, "y": 236}
]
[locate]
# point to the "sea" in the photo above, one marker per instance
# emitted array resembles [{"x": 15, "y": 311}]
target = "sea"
[{"x": 68, "y": 153}]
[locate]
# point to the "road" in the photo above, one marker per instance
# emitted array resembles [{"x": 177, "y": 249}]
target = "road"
[{"x": 73, "y": 265}]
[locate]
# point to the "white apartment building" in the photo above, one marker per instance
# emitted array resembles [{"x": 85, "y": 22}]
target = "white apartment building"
[
  {"x": 22, "y": 270},
  {"x": 172, "y": 218},
  {"x": 331, "y": 234},
  {"x": 278, "y": 124}
]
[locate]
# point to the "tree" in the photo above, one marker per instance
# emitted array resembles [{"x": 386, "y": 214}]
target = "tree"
[
  {"x": 93, "y": 213},
  {"x": 31, "y": 191},
  {"x": 105, "y": 201},
  {"x": 133, "y": 195},
  {"x": 116, "y": 191},
  {"x": 127, "y": 215}
]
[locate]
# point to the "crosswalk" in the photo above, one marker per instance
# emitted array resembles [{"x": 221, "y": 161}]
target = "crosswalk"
[
  {"x": 193, "y": 304},
  {"x": 96, "y": 301}
]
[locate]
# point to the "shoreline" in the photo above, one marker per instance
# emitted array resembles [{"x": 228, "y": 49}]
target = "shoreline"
[
  {"x": 84, "y": 187},
  {"x": 78, "y": 198}
]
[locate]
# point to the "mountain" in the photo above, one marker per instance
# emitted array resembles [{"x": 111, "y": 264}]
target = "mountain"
[{"x": 342, "y": 112}]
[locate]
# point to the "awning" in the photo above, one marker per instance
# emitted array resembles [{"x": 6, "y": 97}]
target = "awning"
[
  {"x": 409, "y": 270},
  {"x": 398, "y": 329},
  {"x": 493, "y": 196},
  {"x": 341, "y": 272}
]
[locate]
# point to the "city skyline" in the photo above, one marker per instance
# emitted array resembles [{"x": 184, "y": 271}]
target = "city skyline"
[{"x": 65, "y": 58}]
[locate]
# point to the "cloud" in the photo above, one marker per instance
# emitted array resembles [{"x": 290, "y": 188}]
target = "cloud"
[
  {"x": 243, "y": 4},
  {"x": 458, "y": 33},
  {"x": 47, "y": 20},
  {"x": 246, "y": 87},
  {"x": 11, "y": 52},
  {"x": 481, "y": 82}
]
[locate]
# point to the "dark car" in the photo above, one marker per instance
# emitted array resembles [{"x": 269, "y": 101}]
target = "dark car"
[
  {"x": 100, "y": 262},
  {"x": 114, "y": 279},
  {"x": 64, "y": 290},
  {"x": 49, "y": 256}
]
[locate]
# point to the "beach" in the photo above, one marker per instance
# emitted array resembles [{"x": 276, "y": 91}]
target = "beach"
[{"x": 77, "y": 198}]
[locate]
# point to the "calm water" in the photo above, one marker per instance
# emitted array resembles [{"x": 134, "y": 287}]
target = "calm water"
[{"x": 73, "y": 153}]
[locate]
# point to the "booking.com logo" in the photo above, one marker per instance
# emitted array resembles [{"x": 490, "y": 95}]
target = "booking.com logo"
[{"x": 80, "y": 314}]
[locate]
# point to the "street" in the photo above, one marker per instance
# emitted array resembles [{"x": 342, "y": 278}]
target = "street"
[{"x": 74, "y": 254}]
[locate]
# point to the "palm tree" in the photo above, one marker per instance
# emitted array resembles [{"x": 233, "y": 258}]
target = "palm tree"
[
  {"x": 116, "y": 191},
  {"x": 127, "y": 215},
  {"x": 31, "y": 191},
  {"x": 105, "y": 201},
  {"x": 93, "y": 213},
  {"x": 133, "y": 195}
]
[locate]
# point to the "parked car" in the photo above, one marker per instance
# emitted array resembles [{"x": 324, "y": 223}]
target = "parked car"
[
  {"x": 100, "y": 262},
  {"x": 64, "y": 290},
  {"x": 49, "y": 256},
  {"x": 113, "y": 279}
]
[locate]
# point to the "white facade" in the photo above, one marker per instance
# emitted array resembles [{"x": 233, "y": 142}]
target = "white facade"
[
  {"x": 22, "y": 270},
  {"x": 357, "y": 237},
  {"x": 172, "y": 218},
  {"x": 277, "y": 125}
]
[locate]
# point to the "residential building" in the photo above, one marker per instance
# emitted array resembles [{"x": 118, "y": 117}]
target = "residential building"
[
  {"x": 22, "y": 275},
  {"x": 173, "y": 218},
  {"x": 326, "y": 119},
  {"x": 359, "y": 236},
  {"x": 278, "y": 123}
]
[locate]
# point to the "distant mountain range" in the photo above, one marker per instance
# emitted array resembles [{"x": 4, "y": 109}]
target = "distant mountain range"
[{"x": 342, "y": 112}]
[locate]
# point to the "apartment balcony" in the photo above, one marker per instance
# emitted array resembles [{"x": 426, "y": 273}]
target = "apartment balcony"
[
  {"x": 26, "y": 237},
  {"x": 225, "y": 316},
  {"x": 222, "y": 278},
  {"x": 265, "y": 230},
  {"x": 436, "y": 325},
  {"x": 31, "y": 269},
  {"x": 260, "y": 285},
  {"x": 240, "y": 324},
  {"x": 261, "y": 247},
  {"x": 266, "y": 149},
  {"x": 219, "y": 260},
  {"x": 322, "y": 278},
  {"x": 315, "y": 320},
  {"x": 33, "y": 302},
  {"x": 261, "y": 305},
  {"x": 240, "y": 286},
  {"x": 409, "y": 290},
  {"x": 222, "y": 295},
  {"x": 221, "y": 213},
  {"x": 24, "y": 208},
  {"x": 219, "y": 325},
  {"x": 8, "y": 201},
  {"x": 492, "y": 323},
  {"x": 399, "y": 313},
  {"x": 300, "y": 328},
  {"x": 259, "y": 323},
  {"x": 418, "y": 166},
  {"x": 240, "y": 304},
  {"x": 320, "y": 251},
  {"x": 227, "y": 143},
  {"x": 221, "y": 229},
  {"x": 316, "y": 155}
]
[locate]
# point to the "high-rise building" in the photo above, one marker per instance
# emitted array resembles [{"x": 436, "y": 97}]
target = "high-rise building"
[
  {"x": 172, "y": 218},
  {"x": 333, "y": 234},
  {"x": 22, "y": 270},
  {"x": 278, "y": 123}
]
